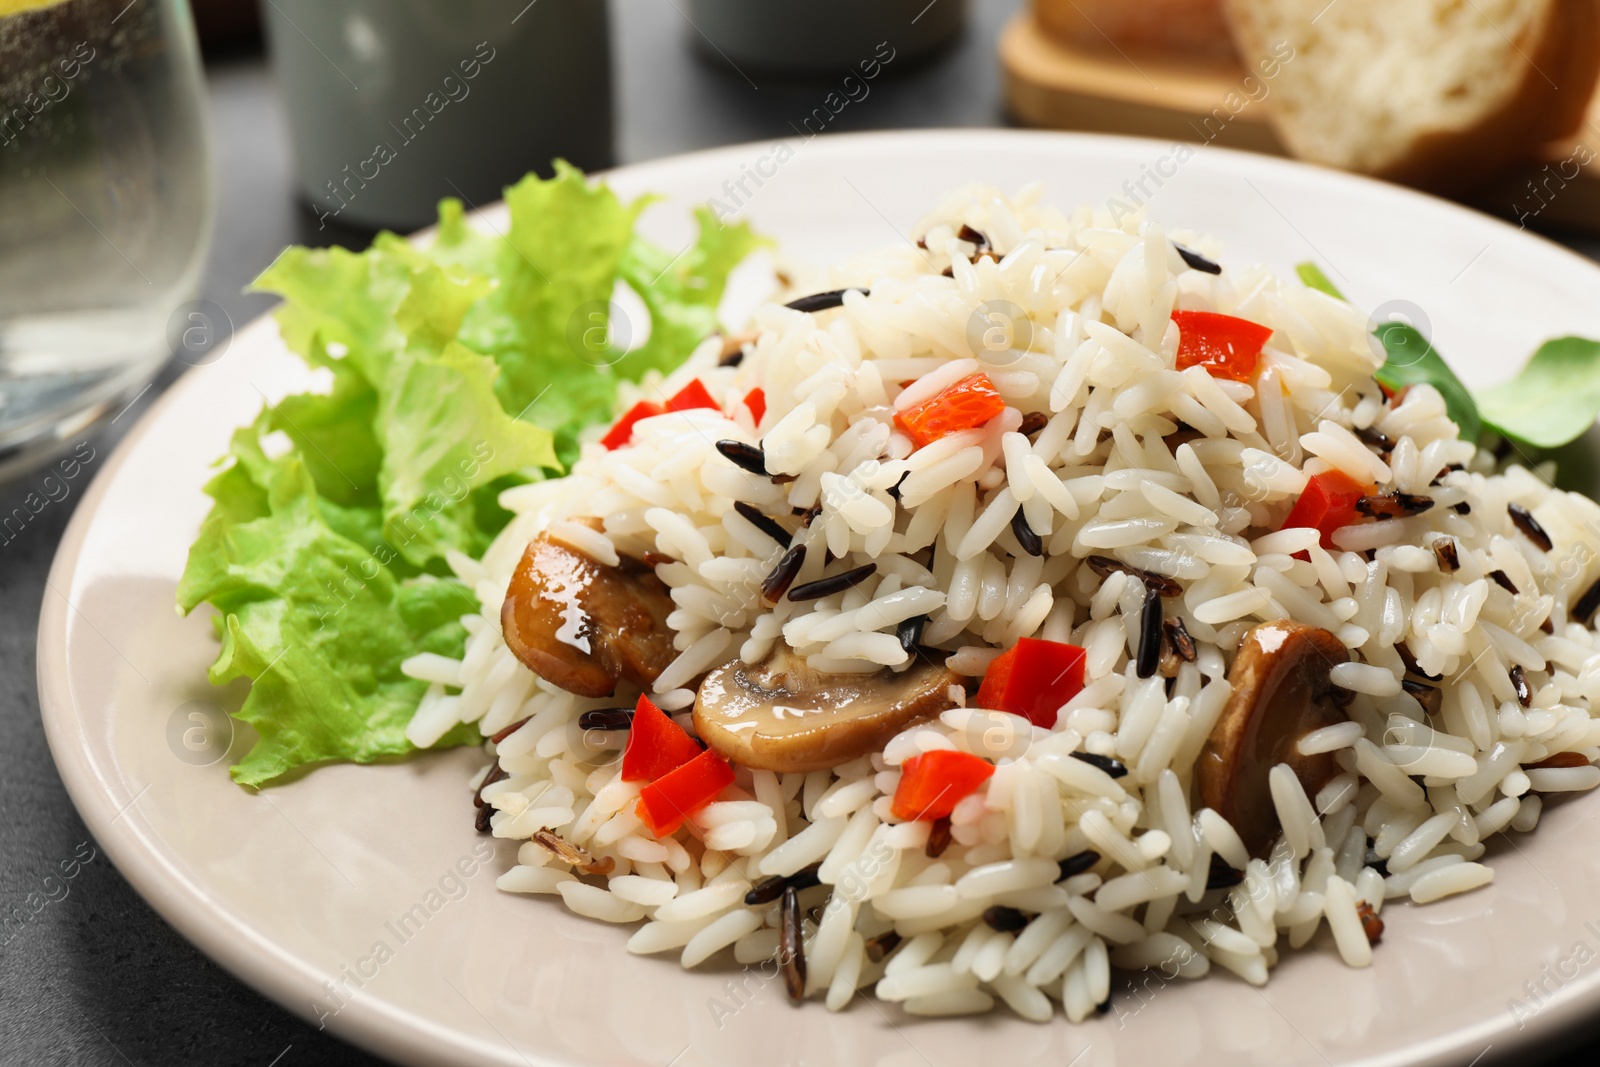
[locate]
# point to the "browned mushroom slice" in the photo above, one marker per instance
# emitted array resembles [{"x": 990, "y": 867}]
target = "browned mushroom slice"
[
  {"x": 1281, "y": 692},
  {"x": 780, "y": 715},
  {"x": 585, "y": 625}
]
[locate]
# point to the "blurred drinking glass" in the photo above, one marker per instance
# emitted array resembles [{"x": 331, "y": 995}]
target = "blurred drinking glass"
[{"x": 105, "y": 211}]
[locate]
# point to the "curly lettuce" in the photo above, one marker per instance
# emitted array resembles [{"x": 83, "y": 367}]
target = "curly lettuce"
[{"x": 455, "y": 370}]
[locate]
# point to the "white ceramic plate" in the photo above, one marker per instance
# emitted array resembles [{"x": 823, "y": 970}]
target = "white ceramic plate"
[{"x": 362, "y": 898}]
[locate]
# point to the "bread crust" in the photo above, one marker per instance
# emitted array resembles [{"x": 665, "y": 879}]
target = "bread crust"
[
  {"x": 1190, "y": 28},
  {"x": 1561, "y": 46}
]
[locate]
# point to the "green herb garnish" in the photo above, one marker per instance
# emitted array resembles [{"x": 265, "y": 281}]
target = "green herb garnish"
[
  {"x": 1312, "y": 275},
  {"x": 1551, "y": 402},
  {"x": 1413, "y": 361}
]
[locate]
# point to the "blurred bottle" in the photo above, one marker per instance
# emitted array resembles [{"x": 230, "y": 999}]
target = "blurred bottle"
[
  {"x": 105, "y": 209},
  {"x": 394, "y": 104},
  {"x": 798, "y": 37}
]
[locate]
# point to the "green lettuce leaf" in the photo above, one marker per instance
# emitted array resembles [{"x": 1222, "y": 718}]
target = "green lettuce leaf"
[
  {"x": 1553, "y": 400},
  {"x": 1314, "y": 278},
  {"x": 682, "y": 293},
  {"x": 455, "y": 370},
  {"x": 1412, "y": 360},
  {"x": 314, "y": 620}
]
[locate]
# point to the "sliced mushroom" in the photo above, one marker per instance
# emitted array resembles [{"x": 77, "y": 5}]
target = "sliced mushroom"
[
  {"x": 585, "y": 625},
  {"x": 780, "y": 715},
  {"x": 1281, "y": 692}
]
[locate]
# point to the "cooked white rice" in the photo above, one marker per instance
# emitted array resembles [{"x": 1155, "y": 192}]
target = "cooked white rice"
[{"x": 1420, "y": 793}]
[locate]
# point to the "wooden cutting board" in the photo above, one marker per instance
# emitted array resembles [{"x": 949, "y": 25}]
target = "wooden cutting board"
[{"x": 1052, "y": 85}]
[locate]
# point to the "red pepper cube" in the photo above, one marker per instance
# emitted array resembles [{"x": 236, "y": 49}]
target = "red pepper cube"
[
  {"x": 756, "y": 401},
  {"x": 656, "y": 745},
  {"x": 966, "y": 405},
  {"x": 622, "y": 432},
  {"x": 1033, "y": 679},
  {"x": 667, "y": 801},
  {"x": 1327, "y": 503},
  {"x": 933, "y": 783},
  {"x": 1394, "y": 397},
  {"x": 693, "y": 395},
  {"x": 1225, "y": 346}
]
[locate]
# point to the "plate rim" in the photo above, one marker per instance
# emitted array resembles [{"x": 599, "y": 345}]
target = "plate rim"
[{"x": 409, "y": 1037}]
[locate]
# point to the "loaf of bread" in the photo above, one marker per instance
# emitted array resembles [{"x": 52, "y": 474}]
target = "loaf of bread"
[
  {"x": 1434, "y": 93},
  {"x": 1188, "y": 28}
]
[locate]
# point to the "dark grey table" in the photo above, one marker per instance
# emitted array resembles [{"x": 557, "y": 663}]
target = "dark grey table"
[{"x": 96, "y": 977}]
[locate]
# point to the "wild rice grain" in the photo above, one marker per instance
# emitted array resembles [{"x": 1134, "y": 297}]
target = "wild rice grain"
[
  {"x": 1105, "y": 566},
  {"x": 977, "y": 238},
  {"x": 1178, "y": 637},
  {"x": 1373, "y": 439},
  {"x": 879, "y": 947},
  {"x": 837, "y": 583},
  {"x": 1113, "y": 767},
  {"x": 791, "y": 946},
  {"x": 1583, "y": 611},
  {"x": 771, "y": 889},
  {"x": 1519, "y": 682},
  {"x": 1222, "y": 876},
  {"x": 606, "y": 719},
  {"x": 496, "y": 774},
  {"x": 1033, "y": 422},
  {"x": 1077, "y": 863},
  {"x": 1030, "y": 541},
  {"x": 1393, "y": 505},
  {"x": 501, "y": 734},
  {"x": 1523, "y": 520},
  {"x": 1196, "y": 261},
  {"x": 1149, "y": 636},
  {"x": 732, "y": 353},
  {"x": 1444, "y": 551},
  {"x": 832, "y": 298},
  {"x": 909, "y": 631},
  {"x": 1371, "y": 925},
  {"x": 573, "y": 855},
  {"x": 777, "y": 583},
  {"x": 938, "y": 838},
  {"x": 1560, "y": 759},
  {"x": 767, "y": 525},
  {"x": 1004, "y": 919},
  {"x": 747, "y": 456}
]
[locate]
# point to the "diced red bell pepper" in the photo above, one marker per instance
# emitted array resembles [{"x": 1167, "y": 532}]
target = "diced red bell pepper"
[
  {"x": 656, "y": 745},
  {"x": 1033, "y": 679},
  {"x": 622, "y": 432},
  {"x": 667, "y": 801},
  {"x": 1327, "y": 503},
  {"x": 1395, "y": 397},
  {"x": 1225, "y": 346},
  {"x": 756, "y": 401},
  {"x": 693, "y": 395},
  {"x": 967, "y": 404},
  {"x": 933, "y": 783}
]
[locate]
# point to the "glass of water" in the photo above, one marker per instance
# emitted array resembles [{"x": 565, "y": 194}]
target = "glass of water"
[{"x": 105, "y": 210}]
